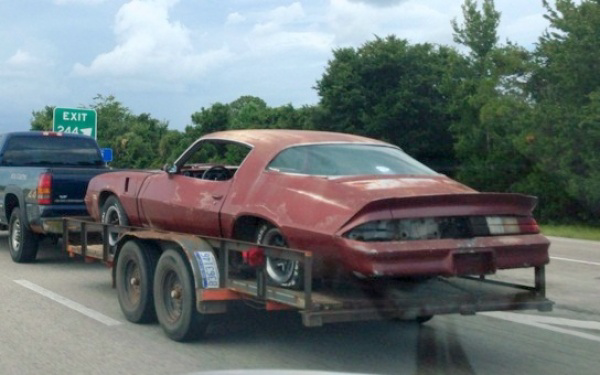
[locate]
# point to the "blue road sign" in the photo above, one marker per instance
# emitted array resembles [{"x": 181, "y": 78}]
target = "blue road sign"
[{"x": 107, "y": 154}]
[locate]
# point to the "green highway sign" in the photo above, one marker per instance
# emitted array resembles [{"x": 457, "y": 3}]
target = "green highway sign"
[{"x": 75, "y": 120}]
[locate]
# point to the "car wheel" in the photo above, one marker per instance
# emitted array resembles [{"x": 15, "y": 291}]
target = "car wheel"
[
  {"x": 113, "y": 213},
  {"x": 175, "y": 299},
  {"x": 281, "y": 272},
  {"x": 135, "y": 279},
  {"x": 22, "y": 242}
]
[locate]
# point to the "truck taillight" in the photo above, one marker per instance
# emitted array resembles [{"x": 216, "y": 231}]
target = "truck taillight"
[{"x": 44, "y": 189}]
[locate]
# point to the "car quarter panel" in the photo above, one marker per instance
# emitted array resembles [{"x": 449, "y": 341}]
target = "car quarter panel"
[{"x": 126, "y": 185}]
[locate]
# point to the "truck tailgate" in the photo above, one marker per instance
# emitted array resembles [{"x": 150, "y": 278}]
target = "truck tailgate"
[{"x": 69, "y": 185}]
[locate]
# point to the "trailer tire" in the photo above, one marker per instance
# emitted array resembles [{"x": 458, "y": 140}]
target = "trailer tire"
[
  {"x": 135, "y": 280},
  {"x": 281, "y": 272},
  {"x": 113, "y": 213},
  {"x": 175, "y": 298},
  {"x": 22, "y": 242}
]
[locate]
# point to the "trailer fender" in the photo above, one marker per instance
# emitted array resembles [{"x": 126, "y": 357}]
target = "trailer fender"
[{"x": 200, "y": 255}]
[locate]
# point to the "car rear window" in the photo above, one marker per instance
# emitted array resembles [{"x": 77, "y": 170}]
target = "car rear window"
[
  {"x": 51, "y": 150},
  {"x": 347, "y": 160}
]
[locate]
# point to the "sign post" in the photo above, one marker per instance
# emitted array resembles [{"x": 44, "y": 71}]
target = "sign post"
[{"x": 75, "y": 120}]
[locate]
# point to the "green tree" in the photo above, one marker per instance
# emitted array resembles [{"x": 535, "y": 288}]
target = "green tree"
[
  {"x": 479, "y": 31},
  {"x": 42, "y": 120},
  {"x": 566, "y": 89},
  {"x": 391, "y": 90},
  {"x": 490, "y": 103}
]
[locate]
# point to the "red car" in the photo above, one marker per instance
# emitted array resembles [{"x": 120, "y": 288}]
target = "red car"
[{"x": 360, "y": 205}]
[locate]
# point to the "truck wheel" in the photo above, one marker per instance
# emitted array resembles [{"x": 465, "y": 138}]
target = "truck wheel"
[
  {"x": 113, "y": 213},
  {"x": 22, "y": 242},
  {"x": 175, "y": 299},
  {"x": 134, "y": 280},
  {"x": 281, "y": 272}
]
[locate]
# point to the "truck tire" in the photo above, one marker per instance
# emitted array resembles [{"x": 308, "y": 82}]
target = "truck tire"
[
  {"x": 113, "y": 213},
  {"x": 135, "y": 279},
  {"x": 281, "y": 272},
  {"x": 22, "y": 242},
  {"x": 175, "y": 299}
]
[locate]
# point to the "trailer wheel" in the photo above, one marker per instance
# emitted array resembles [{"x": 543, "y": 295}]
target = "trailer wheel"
[
  {"x": 113, "y": 213},
  {"x": 175, "y": 298},
  {"x": 135, "y": 279},
  {"x": 22, "y": 242},
  {"x": 281, "y": 272}
]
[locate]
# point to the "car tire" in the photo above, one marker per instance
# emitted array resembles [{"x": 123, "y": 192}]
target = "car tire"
[
  {"x": 22, "y": 242},
  {"x": 280, "y": 272},
  {"x": 113, "y": 213},
  {"x": 135, "y": 269},
  {"x": 175, "y": 299}
]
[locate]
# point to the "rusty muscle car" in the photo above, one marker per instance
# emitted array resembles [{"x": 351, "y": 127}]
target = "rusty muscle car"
[{"x": 361, "y": 206}]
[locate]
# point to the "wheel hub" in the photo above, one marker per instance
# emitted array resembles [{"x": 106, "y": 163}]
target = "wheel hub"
[{"x": 16, "y": 235}]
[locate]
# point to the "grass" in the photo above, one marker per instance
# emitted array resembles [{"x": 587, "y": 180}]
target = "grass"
[{"x": 572, "y": 231}]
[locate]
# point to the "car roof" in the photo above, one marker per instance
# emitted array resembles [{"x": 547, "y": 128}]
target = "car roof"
[{"x": 278, "y": 139}]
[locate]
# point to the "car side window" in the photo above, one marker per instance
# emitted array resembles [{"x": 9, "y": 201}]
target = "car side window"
[
  {"x": 222, "y": 153},
  {"x": 214, "y": 160}
]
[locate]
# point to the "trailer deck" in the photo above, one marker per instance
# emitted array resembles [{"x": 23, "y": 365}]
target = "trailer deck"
[{"x": 334, "y": 301}]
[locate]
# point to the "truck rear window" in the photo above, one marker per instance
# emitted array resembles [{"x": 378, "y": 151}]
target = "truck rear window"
[{"x": 28, "y": 150}]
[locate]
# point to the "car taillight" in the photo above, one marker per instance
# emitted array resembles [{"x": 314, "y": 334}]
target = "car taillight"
[
  {"x": 442, "y": 228},
  {"x": 44, "y": 189},
  {"x": 498, "y": 225}
]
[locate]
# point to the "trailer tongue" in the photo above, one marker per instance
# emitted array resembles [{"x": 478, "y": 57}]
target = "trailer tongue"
[{"x": 185, "y": 278}]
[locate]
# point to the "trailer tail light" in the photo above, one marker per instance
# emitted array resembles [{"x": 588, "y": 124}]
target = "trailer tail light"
[
  {"x": 499, "y": 225},
  {"x": 254, "y": 257},
  {"x": 44, "y": 189}
]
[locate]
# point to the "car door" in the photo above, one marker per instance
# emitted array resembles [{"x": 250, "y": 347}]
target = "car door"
[
  {"x": 187, "y": 200},
  {"x": 183, "y": 203}
]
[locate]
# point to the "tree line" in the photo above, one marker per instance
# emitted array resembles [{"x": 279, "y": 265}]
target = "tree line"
[{"x": 493, "y": 115}]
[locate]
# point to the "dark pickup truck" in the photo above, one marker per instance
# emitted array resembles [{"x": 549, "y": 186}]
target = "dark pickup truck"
[{"x": 43, "y": 176}]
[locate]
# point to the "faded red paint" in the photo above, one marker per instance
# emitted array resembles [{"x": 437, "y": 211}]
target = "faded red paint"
[{"x": 313, "y": 211}]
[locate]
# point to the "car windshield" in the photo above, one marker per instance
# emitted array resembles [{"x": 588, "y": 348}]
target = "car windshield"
[
  {"x": 47, "y": 150},
  {"x": 347, "y": 160}
]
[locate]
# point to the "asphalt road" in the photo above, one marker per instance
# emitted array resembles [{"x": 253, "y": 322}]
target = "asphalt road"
[{"x": 61, "y": 316}]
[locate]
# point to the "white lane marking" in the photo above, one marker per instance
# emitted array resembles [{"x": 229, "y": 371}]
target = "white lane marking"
[
  {"x": 68, "y": 303},
  {"x": 576, "y": 261},
  {"x": 574, "y": 240},
  {"x": 548, "y": 323}
]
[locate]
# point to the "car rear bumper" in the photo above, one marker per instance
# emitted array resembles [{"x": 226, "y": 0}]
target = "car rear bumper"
[{"x": 447, "y": 257}]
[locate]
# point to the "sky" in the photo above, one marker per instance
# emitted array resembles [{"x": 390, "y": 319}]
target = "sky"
[{"x": 170, "y": 58}]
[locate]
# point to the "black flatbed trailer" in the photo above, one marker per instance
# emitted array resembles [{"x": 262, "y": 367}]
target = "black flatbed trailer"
[{"x": 183, "y": 279}]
